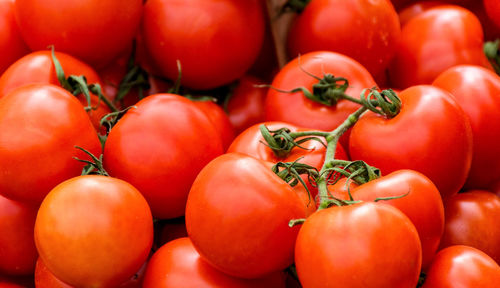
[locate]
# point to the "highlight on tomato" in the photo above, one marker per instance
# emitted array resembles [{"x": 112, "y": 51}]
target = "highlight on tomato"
[{"x": 94, "y": 231}]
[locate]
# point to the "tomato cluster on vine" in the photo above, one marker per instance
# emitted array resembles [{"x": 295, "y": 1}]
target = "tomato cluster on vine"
[{"x": 256, "y": 143}]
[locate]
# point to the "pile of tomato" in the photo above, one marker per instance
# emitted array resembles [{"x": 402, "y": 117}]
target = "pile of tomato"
[{"x": 249, "y": 143}]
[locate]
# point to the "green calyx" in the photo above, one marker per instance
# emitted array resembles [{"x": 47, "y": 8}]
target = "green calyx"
[
  {"x": 493, "y": 54},
  {"x": 77, "y": 85}
]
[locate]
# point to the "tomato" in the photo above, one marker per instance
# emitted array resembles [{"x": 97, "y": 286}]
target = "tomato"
[
  {"x": 94, "y": 231},
  {"x": 4, "y": 284},
  {"x": 365, "y": 30},
  {"x": 18, "y": 252},
  {"x": 41, "y": 125},
  {"x": 178, "y": 264},
  {"x": 472, "y": 220},
  {"x": 246, "y": 104},
  {"x": 38, "y": 67},
  {"x": 45, "y": 279},
  {"x": 434, "y": 41},
  {"x": 252, "y": 143},
  {"x": 365, "y": 244},
  {"x": 431, "y": 135},
  {"x": 230, "y": 34},
  {"x": 92, "y": 30},
  {"x": 415, "y": 9},
  {"x": 476, "y": 90},
  {"x": 295, "y": 108},
  {"x": 462, "y": 266},
  {"x": 219, "y": 120},
  {"x": 170, "y": 230},
  {"x": 12, "y": 46},
  {"x": 159, "y": 147},
  {"x": 251, "y": 207},
  {"x": 421, "y": 203},
  {"x": 492, "y": 8}
]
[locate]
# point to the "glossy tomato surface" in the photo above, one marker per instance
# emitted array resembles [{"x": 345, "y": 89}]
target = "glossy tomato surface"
[
  {"x": 178, "y": 264},
  {"x": 94, "y": 231},
  {"x": 431, "y": 134},
  {"x": 93, "y": 30},
  {"x": 41, "y": 125},
  {"x": 476, "y": 90},
  {"x": 462, "y": 266},
  {"x": 365, "y": 30},
  {"x": 230, "y": 34},
  {"x": 252, "y": 207},
  {"x": 471, "y": 219},
  {"x": 295, "y": 108},
  {"x": 18, "y": 252},
  {"x": 365, "y": 244},
  {"x": 12, "y": 46},
  {"x": 417, "y": 197},
  {"x": 434, "y": 41},
  {"x": 159, "y": 147}
]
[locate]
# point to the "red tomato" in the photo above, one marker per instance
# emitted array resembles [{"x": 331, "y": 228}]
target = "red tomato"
[
  {"x": 462, "y": 266},
  {"x": 37, "y": 67},
  {"x": 365, "y": 244},
  {"x": 251, "y": 142},
  {"x": 92, "y": 30},
  {"x": 492, "y": 8},
  {"x": 219, "y": 120},
  {"x": 431, "y": 135},
  {"x": 5, "y": 284},
  {"x": 409, "y": 12},
  {"x": 246, "y": 104},
  {"x": 230, "y": 34},
  {"x": 365, "y": 30},
  {"x": 41, "y": 125},
  {"x": 252, "y": 207},
  {"x": 178, "y": 264},
  {"x": 295, "y": 108},
  {"x": 18, "y": 252},
  {"x": 422, "y": 204},
  {"x": 12, "y": 46},
  {"x": 159, "y": 147},
  {"x": 434, "y": 41},
  {"x": 472, "y": 220},
  {"x": 476, "y": 90},
  {"x": 94, "y": 231},
  {"x": 45, "y": 279}
]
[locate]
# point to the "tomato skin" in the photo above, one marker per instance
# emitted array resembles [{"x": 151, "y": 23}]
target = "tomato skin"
[
  {"x": 41, "y": 125},
  {"x": 46, "y": 279},
  {"x": 102, "y": 248},
  {"x": 472, "y": 220},
  {"x": 12, "y": 46},
  {"x": 246, "y": 104},
  {"x": 160, "y": 139},
  {"x": 251, "y": 142},
  {"x": 18, "y": 252},
  {"x": 431, "y": 135},
  {"x": 364, "y": 30},
  {"x": 348, "y": 247},
  {"x": 422, "y": 205},
  {"x": 219, "y": 120},
  {"x": 230, "y": 33},
  {"x": 38, "y": 67},
  {"x": 247, "y": 201},
  {"x": 92, "y": 30},
  {"x": 492, "y": 8},
  {"x": 476, "y": 90},
  {"x": 295, "y": 108},
  {"x": 178, "y": 264},
  {"x": 434, "y": 41},
  {"x": 462, "y": 266},
  {"x": 415, "y": 9}
]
